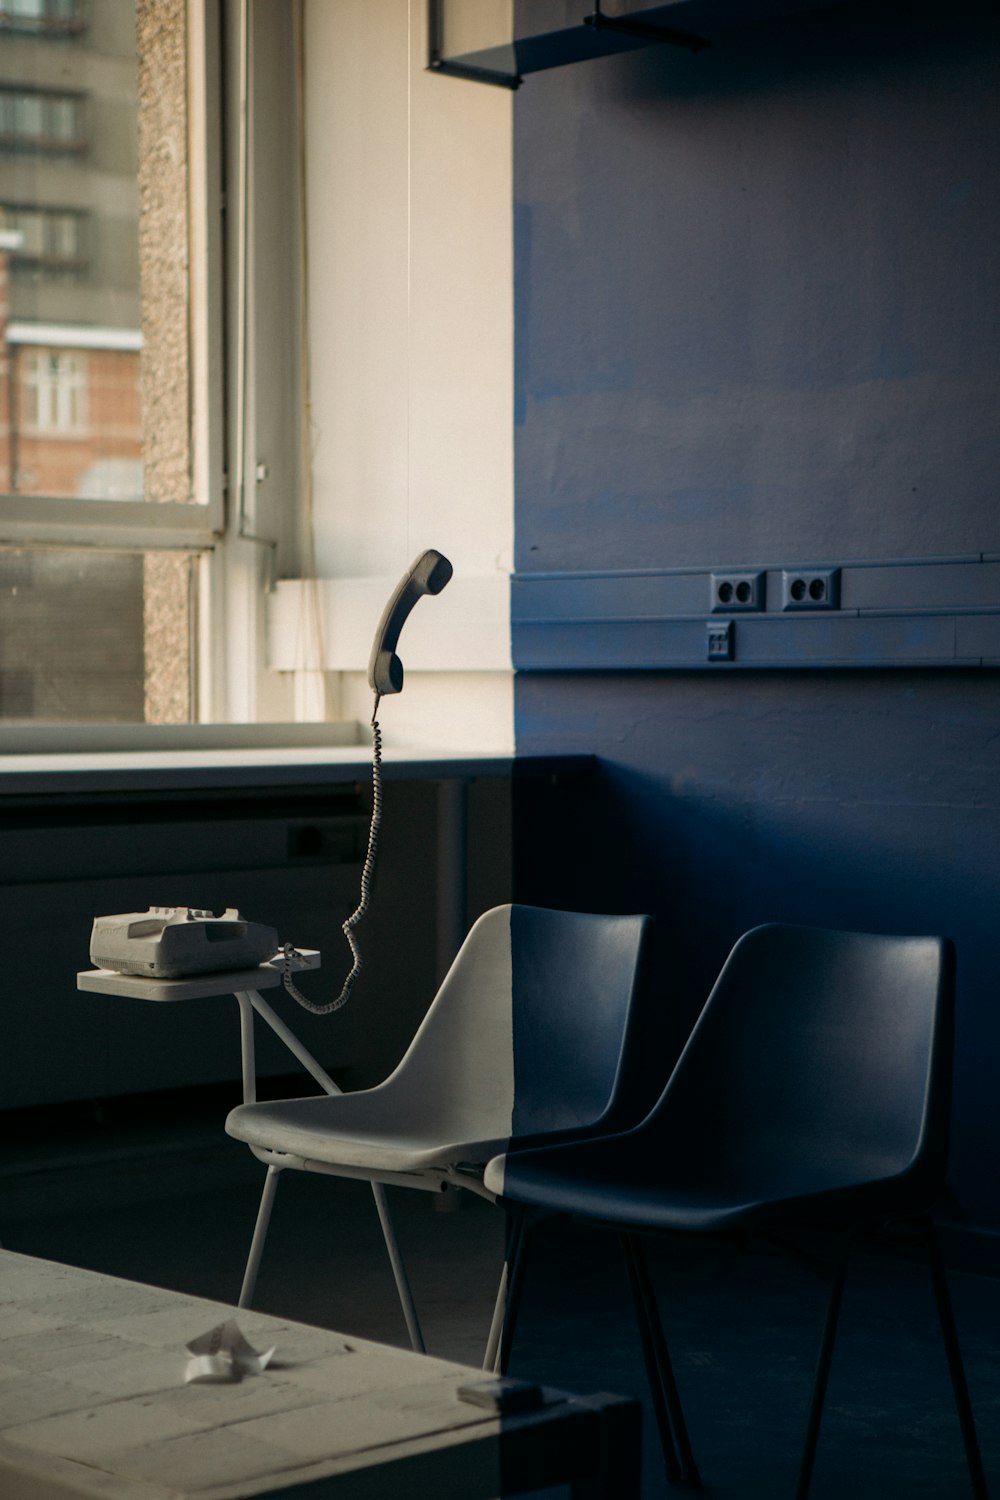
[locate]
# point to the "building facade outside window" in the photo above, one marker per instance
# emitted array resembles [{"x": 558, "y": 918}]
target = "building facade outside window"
[{"x": 105, "y": 504}]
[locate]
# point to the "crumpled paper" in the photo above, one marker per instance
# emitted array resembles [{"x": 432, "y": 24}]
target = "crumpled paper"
[{"x": 223, "y": 1356}]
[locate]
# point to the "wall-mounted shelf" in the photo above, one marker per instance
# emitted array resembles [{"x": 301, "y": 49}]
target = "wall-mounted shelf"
[
  {"x": 921, "y": 613},
  {"x": 476, "y": 41},
  {"x": 491, "y": 54}
]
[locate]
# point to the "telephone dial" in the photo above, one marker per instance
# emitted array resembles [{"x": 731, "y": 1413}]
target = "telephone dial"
[{"x": 174, "y": 942}]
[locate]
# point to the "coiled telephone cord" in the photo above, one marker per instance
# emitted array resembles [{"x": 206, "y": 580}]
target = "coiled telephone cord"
[{"x": 367, "y": 871}]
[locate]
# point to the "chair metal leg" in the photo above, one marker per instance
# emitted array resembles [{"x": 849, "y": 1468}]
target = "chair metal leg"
[
  {"x": 388, "y": 1234},
  {"x": 518, "y": 1260},
  {"x": 823, "y": 1370},
  {"x": 952, "y": 1351},
  {"x": 500, "y": 1304},
  {"x": 956, "y": 1368},
  {"x": 499, "y": 1308},
  {"x": 259, "y": 1236},
  {"x": 399, "y": 1271},
  {"x": 678, "y": 1457},
  {"x": 502, "y": 1309},
  {"x": 326, "y": 1083}
]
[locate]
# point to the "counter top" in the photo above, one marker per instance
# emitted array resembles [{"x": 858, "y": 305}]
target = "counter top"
[{"x": 165, "y": 770}]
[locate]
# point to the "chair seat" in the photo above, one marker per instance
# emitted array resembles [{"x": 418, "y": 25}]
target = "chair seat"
[
  {"x": 360, "y": 1130},
  {"x": 609, "y": 1181}
]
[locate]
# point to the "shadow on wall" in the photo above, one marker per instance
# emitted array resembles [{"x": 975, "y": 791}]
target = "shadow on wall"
[{"x": 860, "y": 42}]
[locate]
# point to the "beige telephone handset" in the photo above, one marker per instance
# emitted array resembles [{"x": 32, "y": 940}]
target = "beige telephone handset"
[{"x": 428, "y": 575}]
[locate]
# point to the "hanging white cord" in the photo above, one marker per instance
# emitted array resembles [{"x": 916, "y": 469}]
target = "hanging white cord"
[{"x": 290, "y": 954}]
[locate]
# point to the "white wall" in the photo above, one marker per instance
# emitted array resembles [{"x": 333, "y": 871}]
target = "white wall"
[{"x": 408, "y": 191}]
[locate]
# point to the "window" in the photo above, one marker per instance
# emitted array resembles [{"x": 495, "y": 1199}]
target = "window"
[
  {"x": 55, "y": 393},
  {"x": 39, "y": 120},
  {"x": 110, "y": 358},
  {"x": 51, "y": 240},
  {"x": 140, "y": 348},
  {"x": 41, "y": 15}
]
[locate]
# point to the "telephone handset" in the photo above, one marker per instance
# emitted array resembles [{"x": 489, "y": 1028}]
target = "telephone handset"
[{"x": 428, "y": 575}]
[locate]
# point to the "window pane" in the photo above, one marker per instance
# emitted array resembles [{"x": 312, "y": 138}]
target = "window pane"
[
  {"x": 94, "y": 258},
  {"x": 94, "y": 637},
  {"x": 63, "y": 118},
  {"x": 64, "y": 234},
  {"x": 28, "y": 119}
]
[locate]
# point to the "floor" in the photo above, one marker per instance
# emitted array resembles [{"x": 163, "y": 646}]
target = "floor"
[{"x": 154, "y": 1191}]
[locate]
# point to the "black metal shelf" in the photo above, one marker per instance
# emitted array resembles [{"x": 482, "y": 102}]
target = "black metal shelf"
[{"x": 691, "y": 24}]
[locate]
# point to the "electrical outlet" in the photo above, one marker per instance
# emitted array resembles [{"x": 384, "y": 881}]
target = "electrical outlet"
[
  {"x": 810, "y": 588},
  {"x": 721, "y": 638},
  {"x": 733, "y": 592}
]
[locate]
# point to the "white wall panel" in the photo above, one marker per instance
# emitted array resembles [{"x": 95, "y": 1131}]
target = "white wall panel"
[{"x": 410, "y": 288}]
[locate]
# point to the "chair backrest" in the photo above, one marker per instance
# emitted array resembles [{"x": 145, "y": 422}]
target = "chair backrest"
[
  {"x": 820, "y": 1057},
  {"x": 527, "y": 1032}
]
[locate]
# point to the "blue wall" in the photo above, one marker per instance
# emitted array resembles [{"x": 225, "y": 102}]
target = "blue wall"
[{"x": 757, "y": 322}]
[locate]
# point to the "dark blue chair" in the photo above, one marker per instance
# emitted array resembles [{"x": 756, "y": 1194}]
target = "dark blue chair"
[{"x": 814, "y": 1091}]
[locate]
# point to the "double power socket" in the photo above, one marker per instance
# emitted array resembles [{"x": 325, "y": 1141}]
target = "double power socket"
[{"x": 801, "y": 589}]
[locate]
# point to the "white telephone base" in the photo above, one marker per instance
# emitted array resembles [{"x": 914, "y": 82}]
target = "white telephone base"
[{"x": 170, "y": 942}]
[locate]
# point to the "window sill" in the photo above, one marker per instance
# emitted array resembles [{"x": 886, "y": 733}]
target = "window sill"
[
  {"x": 125, "y": 759},
  {"x": 64, "y": 741}
]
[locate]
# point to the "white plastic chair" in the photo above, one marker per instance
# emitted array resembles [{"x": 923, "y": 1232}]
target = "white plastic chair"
[{"x": 523, "y": 1042}]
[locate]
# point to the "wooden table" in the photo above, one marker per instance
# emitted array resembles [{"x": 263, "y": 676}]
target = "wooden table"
[{"x": 93, "y": 1406}]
